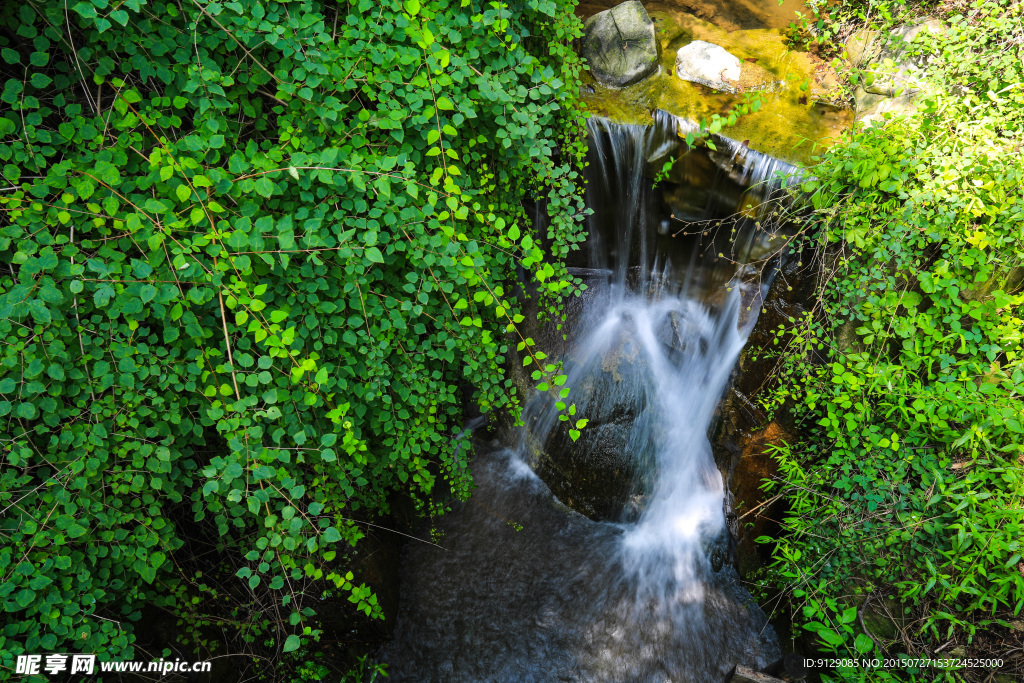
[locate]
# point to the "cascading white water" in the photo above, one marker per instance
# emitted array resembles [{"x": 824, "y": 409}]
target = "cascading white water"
[
  {"x": 637, "y": 596},
  {"x": 665, "y": 549},
  {"x": 686, "y": 347}
]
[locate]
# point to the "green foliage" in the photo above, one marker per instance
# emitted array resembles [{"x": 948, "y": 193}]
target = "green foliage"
[
  {"x": 251, "y": 252},
  {"x": 909, "y": 485},
  {"x": 826, "y": 25}
]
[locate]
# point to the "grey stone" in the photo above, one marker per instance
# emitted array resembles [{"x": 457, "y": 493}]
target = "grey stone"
[
  {"x": 867, "y": 46},
  {"x": 619, "y": 45},
  {"x": 894, "y": 80},
  {"x": 902, "y": 104}
]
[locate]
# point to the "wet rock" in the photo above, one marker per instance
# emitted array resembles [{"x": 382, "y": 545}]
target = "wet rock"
[
  {"x": 598, "y": 474},
  {"x": 713, "y": 66},
  {"x": 719, "y": 550},
  {"x": 619, "y": 45},
  {"x": 595, "y": 474}
]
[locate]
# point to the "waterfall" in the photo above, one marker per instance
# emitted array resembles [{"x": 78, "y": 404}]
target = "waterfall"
[
  {"x": 684, "y": 343},
  {"x": 641, "y": 590}
]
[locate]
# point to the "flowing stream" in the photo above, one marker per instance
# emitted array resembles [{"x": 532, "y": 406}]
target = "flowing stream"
[{"x": 525, "y": 588}]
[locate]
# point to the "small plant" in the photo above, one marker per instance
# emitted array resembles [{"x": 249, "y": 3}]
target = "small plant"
[
  {"x": 666, "y": 169},
  {"x": 367, "y": 671}
]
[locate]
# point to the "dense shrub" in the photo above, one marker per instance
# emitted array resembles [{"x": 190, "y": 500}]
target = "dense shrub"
[
  {"x": 907, "y": 490},
  {"x": 250, "y": 251}
]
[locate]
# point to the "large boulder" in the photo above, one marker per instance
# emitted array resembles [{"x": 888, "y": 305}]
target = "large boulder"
[
  {"x": 619, "y": 45},
  {"x": 892, "y": 79},
  {"x": 712, "y": 65},
  {"x": 601, "y": 474},
  {"x": 866, "y": 46}
]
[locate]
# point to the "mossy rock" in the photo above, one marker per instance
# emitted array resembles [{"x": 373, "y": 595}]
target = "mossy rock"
[
  {"x": 892, "y": 80},
  {"x": 619, "y": 45}
]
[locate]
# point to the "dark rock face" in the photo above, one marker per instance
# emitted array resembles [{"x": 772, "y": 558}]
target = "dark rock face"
[
  {"x": 598, "y": 475},
  {"x": 595, "y": 475},
  {"x": 620, "y": 46},
  {"x": 742, "y": 430}
]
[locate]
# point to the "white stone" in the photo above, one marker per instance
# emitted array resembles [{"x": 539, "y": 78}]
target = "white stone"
[{"x": 708, "y": 64}]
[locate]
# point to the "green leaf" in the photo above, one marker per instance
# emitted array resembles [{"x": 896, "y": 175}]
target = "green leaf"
[
  {"x": 155, "y": 206},
  {"x": 373, "y": 254},
  {"x": 184, "y": 192},
  {"x": 85, "y": 10},
  {"x": 291, "y": 643},
  {"x": 24, "y": 597},
  {"x": 264, "y": 186},
  {"x": 830, "y": 636},
  {"x": 26, "y": 411}
]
